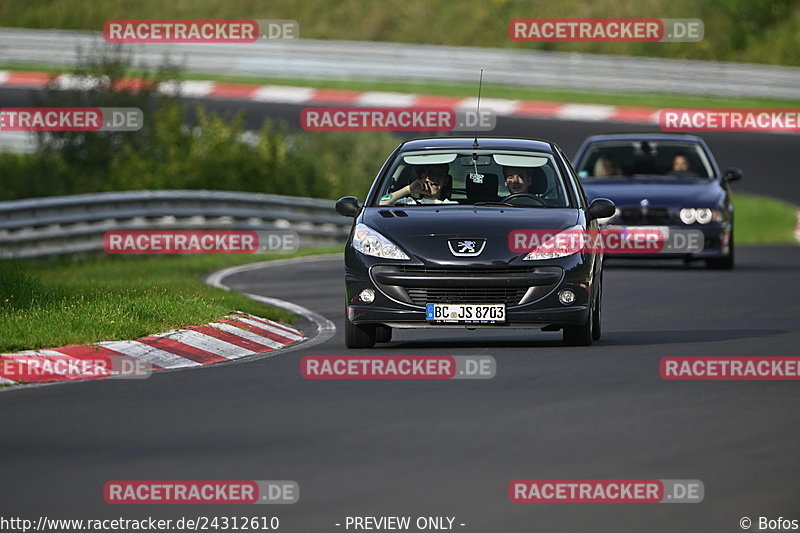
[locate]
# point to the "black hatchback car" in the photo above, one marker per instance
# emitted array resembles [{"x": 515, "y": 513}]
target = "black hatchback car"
[
  {"x": 431, "y": 248},
  {"x": 665, "y": 180}
]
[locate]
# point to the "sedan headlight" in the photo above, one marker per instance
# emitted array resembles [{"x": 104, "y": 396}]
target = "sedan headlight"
[
  {"x": 369, "y": 242},
  {"x": 551, "y": 244},
  {"x": 701, "y": 215}
]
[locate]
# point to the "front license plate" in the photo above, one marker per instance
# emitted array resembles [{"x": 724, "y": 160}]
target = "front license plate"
[
  {"x": 466, "y": 313},
  {"x": 629, "y": 230}
]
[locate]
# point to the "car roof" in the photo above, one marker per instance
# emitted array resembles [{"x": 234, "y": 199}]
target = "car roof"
[
  {"x": 644, "y": 136},
  {"x": 466, "y": 143}
]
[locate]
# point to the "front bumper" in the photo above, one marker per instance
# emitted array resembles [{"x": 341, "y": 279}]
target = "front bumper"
[
  {"x": 529, "y": 289},
  {"x": 716, "y": 242}
]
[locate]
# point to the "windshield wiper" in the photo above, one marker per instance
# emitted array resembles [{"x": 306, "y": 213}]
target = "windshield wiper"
[{"x": 500, "y": 204}]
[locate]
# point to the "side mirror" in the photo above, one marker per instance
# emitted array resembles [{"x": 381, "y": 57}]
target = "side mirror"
[
  {"x": 732, "y": 174},
  {"x": 347, "y": 206},
  {"x": 601, "y": 208}
]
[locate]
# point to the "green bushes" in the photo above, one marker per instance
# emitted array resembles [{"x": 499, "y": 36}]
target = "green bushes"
[{"x": 215, "y": 152}]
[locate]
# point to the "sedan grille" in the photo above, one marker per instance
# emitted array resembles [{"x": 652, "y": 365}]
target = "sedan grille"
[{"x": 639, "y": 216}]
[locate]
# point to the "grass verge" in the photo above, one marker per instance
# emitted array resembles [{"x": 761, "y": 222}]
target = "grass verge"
[
  {"x": 763, "y": 220},
  {"x": 490, "y": 90},
  {"x": 54, "y": 303}
]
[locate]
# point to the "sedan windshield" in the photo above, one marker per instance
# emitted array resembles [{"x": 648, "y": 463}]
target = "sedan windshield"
[
  {"x": 644, "y": 158},
  {"x": 474, "y": 177}
]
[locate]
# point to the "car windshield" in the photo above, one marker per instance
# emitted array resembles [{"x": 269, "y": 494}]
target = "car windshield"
[
  {"x": 675, "y": 159},
  {"x": 474, "y": 177}
]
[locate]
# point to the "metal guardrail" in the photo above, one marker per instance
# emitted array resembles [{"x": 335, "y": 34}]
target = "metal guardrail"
[
  {"x": 76, "y": 224},
  {"x": 361, "y": 60}
]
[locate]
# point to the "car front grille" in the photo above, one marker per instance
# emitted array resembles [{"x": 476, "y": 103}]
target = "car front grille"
[
  {"x": 467, "y": 295},
  {"x": 651, "y": 215},
  {"x": 420, "y": 285}
]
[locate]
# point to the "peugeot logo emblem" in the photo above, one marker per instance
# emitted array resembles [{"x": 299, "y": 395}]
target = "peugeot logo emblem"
[{"x": 466, "y": 247}]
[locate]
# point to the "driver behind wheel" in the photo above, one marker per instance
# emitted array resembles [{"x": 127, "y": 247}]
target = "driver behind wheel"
[
  {"x": 434, "y": 185},
  {"x": 521, "y": 180}
]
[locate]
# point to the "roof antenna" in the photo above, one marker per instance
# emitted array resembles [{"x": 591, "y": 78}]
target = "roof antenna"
[{"x": 477, "y": 116}]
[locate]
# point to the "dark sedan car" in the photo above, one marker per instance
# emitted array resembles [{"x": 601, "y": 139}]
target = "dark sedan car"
[
  {"x": 431, "y": 246},
  {"x": 669, "y": 181}
]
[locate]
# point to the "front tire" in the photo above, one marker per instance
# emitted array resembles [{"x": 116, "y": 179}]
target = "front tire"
[
  {"x": 597, "y": 330},
  {"x": 580, "y": 335},
  {"x": 383, "y": 333},
  {"x": 358, "y": 335},
  {"x": 722, "y": 263}
]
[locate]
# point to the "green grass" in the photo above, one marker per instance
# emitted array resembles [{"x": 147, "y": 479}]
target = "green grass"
[
  {"x": 762, "y": 220},
  {"x": 55, "y": 303},
  {"x": 655, "y": 100},
  {"x": 761, "y": 31}
]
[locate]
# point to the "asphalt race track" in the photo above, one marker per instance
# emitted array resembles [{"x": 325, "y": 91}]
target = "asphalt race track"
[{"x": 450, "y": 448}]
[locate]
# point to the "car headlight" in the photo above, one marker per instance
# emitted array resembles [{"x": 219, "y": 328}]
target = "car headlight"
[
  {"x": 550, "y": 243},
  {"x": 369, "y": 242},
  {"x": 701, "y": 215}
]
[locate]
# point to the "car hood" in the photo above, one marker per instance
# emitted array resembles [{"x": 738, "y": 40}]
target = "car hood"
[
  {"x": 659, "y": 192},
  {"x": 425, "y": 232}
]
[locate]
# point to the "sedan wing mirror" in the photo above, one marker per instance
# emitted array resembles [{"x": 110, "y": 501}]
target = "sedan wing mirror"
[
  {"x": 601, "y": 208},
  {"x": 732, "y": 174},
  {"x": 347, "y": 206}
]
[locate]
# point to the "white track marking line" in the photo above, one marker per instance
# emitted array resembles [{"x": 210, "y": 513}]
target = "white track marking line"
[
  {"x": 201, "y": 341},
  {"x": 585, "y": 112},
  {"x": 385, "y": 99},
  {"x": 277, "y": 93},
  {"x": 246, "y": 334},
  {"x": 273, "y": 329},
  {"x": 147, "y": 353}
]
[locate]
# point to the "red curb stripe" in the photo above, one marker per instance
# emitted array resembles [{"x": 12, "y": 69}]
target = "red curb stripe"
[
  {"x": 634, "y": 114},
  {"x": 258, "y": 331},
  {"x": 29, "y": 79},
  {"x": 335, "y": 96},
  {"x": 436, "y": 101},
  {"x": 234, "y": 90},
  {"x": 44, "y": 377},
  {"x": 131, "y": 84},
  {"x": 232, "y": 339},
  {"x": 90, "y": 351},
  {"x": 537, "y": 109},
  {"x": 184, "y": 350}
]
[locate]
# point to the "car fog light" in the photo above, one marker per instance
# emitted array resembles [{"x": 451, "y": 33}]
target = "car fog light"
[
  {"x": 367, "y": 296},
  {"x": 566, "y": 297}
]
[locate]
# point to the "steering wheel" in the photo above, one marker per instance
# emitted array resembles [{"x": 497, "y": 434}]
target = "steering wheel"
[{"x": 539, "y": 201}]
